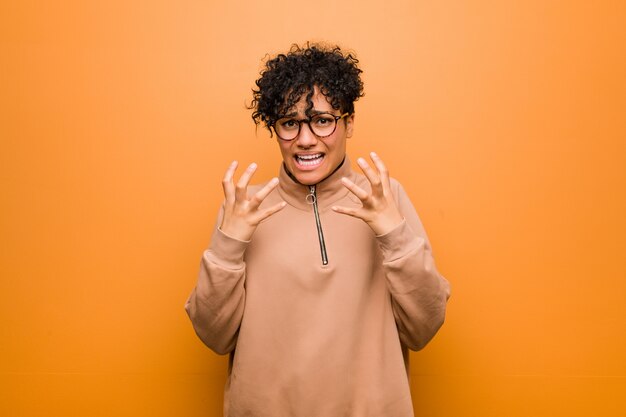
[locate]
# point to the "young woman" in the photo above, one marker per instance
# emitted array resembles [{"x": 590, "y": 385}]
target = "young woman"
[{"x": 317, "y": 282}]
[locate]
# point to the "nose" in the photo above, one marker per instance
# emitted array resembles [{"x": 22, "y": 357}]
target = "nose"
[{"x": 306, "y": 138}]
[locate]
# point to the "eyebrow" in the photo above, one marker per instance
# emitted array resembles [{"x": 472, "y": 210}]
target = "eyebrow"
[{"x": 314, "y": 112}]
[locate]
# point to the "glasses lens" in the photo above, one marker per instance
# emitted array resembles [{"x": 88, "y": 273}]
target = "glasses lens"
[
  {"x": 287, "y": 129},
  {"x": 323, "y": 124}
]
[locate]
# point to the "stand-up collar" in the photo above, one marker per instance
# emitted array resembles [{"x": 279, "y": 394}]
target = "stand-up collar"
[{"x": 328, "y": 191}]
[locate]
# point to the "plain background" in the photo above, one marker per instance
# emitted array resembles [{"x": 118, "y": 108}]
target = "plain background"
[{"x": 504, "y": 120}]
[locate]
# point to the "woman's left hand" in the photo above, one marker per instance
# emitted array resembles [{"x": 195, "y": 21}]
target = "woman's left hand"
[{"x": 379, "y": 209}]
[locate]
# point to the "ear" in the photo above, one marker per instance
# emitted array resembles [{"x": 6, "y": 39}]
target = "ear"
[{"x": 349, "y": 125}]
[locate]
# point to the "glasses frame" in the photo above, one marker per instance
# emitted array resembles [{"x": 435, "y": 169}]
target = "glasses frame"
[{"x": 308, "y": 122}]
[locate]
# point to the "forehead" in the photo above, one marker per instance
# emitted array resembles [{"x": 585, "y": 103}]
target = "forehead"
[{"x": 320, "y": 103}]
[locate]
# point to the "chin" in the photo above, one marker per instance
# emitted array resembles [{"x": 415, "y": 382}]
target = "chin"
[
  {"x": 308, "y": 178},
  {"x": 308, "y": 175}
]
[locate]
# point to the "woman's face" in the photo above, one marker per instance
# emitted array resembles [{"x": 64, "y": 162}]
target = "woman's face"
[{"x": 309, "y": 158}]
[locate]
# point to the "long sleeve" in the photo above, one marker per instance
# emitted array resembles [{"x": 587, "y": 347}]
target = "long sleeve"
[
  {"x": 300, "y": 327},
  {"x": 418, "y": 292},
  {"x": 216, "y": 304}
]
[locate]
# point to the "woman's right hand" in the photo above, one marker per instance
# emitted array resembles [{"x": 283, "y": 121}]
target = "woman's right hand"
[{"x": 241, "y": 213}]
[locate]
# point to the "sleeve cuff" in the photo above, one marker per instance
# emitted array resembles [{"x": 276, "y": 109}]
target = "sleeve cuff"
[
  {"x": 226, "y": 250},
  {"x": 398, "y": 242}
]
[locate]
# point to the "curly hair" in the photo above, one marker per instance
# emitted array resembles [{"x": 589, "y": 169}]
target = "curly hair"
[{"x": 287, "y": 77}]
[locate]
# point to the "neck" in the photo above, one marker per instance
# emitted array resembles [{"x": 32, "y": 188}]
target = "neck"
[{"x": 329, "y": 189}]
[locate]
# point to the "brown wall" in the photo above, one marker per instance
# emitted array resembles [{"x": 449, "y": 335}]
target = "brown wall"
[{"x": 505, "y": 121}]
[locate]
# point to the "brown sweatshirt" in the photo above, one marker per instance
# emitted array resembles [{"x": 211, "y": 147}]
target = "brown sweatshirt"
[{"x": 314, "y": 340}]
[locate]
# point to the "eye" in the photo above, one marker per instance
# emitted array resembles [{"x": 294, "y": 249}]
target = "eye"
[
  {"x": 288, "y": 124},
  {"x": 323, "y": 120}
]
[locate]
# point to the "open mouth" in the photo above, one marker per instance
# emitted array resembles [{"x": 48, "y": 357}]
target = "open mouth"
[{"x": 309, "y": 160}]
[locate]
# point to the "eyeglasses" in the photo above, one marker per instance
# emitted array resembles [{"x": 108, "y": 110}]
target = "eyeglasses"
[{"x": 322, "y": 125}]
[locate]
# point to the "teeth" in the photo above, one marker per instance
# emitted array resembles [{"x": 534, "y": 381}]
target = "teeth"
[
  {"x": 309, "y": 156},
  {"x": 309, "y": 159}
]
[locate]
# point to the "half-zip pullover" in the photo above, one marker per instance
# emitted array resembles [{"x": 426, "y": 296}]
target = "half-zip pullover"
[{"x": 308, "y": 339}]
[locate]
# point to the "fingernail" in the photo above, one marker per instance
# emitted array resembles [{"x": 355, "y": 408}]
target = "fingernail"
[
  {"x": 252, "y": 165},
  {"x": 373, "y": 154},
  {"x": 360, "y": 161}
]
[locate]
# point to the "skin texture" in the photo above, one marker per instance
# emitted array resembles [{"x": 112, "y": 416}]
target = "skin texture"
[
  {"x": 241, "y": 212},
  {"x": 332, "y": 147},
  {"x": 379, "y": 210}
]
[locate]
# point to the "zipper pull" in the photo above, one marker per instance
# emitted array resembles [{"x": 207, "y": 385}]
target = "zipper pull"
[{"x": 311, "y": 198}]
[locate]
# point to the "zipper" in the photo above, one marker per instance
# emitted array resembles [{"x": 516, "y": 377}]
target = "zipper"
[{"x": 311, "y": 198}]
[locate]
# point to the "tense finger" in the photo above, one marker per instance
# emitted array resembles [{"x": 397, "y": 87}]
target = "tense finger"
[
  {"x": 372, "y": 176},
  {"x": 241, "y": 190},
  {"x": 382, "y": 169},
  {"x": 349, "y": 211},
  {"x": 227, "y": 181},
  {"x": 355, "y": 189},
  {"x": 262, "y": 215},
  {"x": 264, "y": 192}
]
